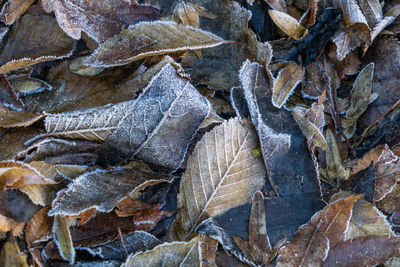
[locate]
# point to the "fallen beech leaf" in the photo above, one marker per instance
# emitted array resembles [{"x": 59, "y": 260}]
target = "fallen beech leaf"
[
  {"x": 379, "y": 28},
  {"x": 334, "y": 170},
  {"x": 77, "y": 67},
  {"x": 346, "y": 40},
  {"x": 25, "y": 47},
  {"x": 258, "y": 248},
  {"x": 149, "y": 39},
  {"x": 15, "y": 175},
  {"x": 312, "y": 241},
  {"x": 189, "y": 13},
  {"x": 387, "y": 173},
  {"x": 10, "y": 255},
  {"x": 365, "y": 219},
  {"x": 170, "y": 254},
  {"x": 11, "y": 118},
  {"x": 207, "y": 251},
  {"x": 214, "y": 186},
  {"x": 39, "y": 228},
  {"x": 28, "y": 85},
  {"x": 138, "y": 241},
  {"x": 16, "y": 206},
  {"x": 364, "y": 251},
  {"x": 315, "y": 81},
  {"x": 373, "y": 11},
  {"x": 8, "y": 96},
  {"x": 364, "y": 162},
  {"x": 7, "y": 224},
  {"x": 391, "y": 204},
  {"x": 88, "y": 191},
  {"x": 101, "y": 19},
  {"x": 63, "y": 239},
  {"x": 289, "y": 76},
  {"x": 288, "y": 24},
  {"x": 13, "y": 9}
]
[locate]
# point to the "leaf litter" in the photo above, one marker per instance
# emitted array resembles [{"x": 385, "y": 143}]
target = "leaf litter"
[{"x": 199, "y": 133}]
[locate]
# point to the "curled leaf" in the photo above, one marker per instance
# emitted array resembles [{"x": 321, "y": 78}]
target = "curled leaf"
[{"x": 289, "y": 76}]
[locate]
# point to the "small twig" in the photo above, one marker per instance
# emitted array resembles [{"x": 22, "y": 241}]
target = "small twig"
[
  {"x": 122, "y": 241},
  {"x": 332, "y": 108}
]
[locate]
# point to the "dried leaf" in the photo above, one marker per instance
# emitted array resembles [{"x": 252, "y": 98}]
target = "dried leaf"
[
  {"x": 149, "y": 39},
  {"x": 77, "y": 67},
  {"x": 289, "y": 76},
  {"x": 391, "y": 205},
  {"x": 364, "y": 251},
  {"x": 11, "y": 118},
  {"x": 288, "y": 24},
  {"x": 346, "y": 40},
  {"x": 13, "y": 9},
  {"x": 27, "y": 85},
  {"x": 214, "y": 186},
  {"x": 372, "y": 10},
  {"x": 88, "y": 191},
  {"x": 16, "y": 206},
  {"x": 39, "y": 228},
  {"x": 63, "y": 239},
  {"x": 24, "y": 45},
  {"x": 170, "y": 254},
  {"x": 15, "y": 175},
  {"x": 7, "y": 224},
  {"x": 258, "y": 248},
  {"x": 8, "y": 96},
  {"x": 189, "y": 13},
  {"x": 364, "y": 162},
  {"x": 207, "y": 251},
  {"x": 279, "y": 5},
  {"x": 101, "y": 19},
  {"x": 11, "y": 256},
  {"x": 387, "y": 173},
  {"x": 312, "y": 241}
]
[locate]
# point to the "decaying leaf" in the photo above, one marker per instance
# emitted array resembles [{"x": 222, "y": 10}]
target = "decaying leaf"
[
  {"x": 8, "y": 96},
  {"x": 222, "y": 173},
  {"x": 12, "y": 118},
  {"x": 258, "y": 248},
  {"x": 189, "y": 13},
  {"x": 39, "y": 228},
  {"x": 13, "y": 9},
  {"x": 288, "y": 24},
  {"x": 312, "y": 241},
  {"x": 24, "y": 46},
  {"x": 16, "y": 206},
  {"x": 63, "y": 239},
  {"x": 101, "y": 19},
  {"x": 289, "y": 76},
  {"x": 364, "y": 251},
  {"x": 170, "y": 254},
  {"x": 77, "y": 67},
  {"x": 372, "y": 10},
  {"x": 364, "y": 162},
  {"x": 88, "y": 191},
  {"x": 149, "y": 39},
  {"x": 207, "y": 251},
  {"x": 7, "y": 224},
  {"x": 15, "y": 175},
  {"x": 10, "y": 255}
]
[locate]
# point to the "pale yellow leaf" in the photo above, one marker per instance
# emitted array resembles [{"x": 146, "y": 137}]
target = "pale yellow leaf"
[{"x": 288, "y": 24}]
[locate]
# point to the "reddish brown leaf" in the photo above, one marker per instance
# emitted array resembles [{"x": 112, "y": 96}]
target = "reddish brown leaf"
[
  {"x": 39, "y": 228},
  {"x": 14, "y": 9},
  {"x": 207, "y": 251}
]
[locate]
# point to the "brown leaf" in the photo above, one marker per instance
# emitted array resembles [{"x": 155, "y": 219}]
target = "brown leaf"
[
  {"x": 11, "y": 256},
  {"x": 279, "y": 5},
  {"x": 189, "y": 13},
  {"x": 101, "y": 19},
  {"x": 150, "y": 39},
  {"x": 364, "y": 251},
  {"x": 16, "y": 206},
  {"x": 15, "y": 175},
  {"x": 13, "y": 10},
  {"x": 24, "y": 45},
  {"x": 346, "y": 40},
  {"x": 76, "y": 66},
  {"x": 221, "y": 173},
  {"x": 88, "y": 191},
  {"x": 207, "y": 251},
  {"x": 387, "y": 173},
  {"x": 11, "y": 118},
  {"x": 373, "y": 11},
  {"x": 312, "y": 241},
  {"x": 63, "y": 239},
  {"x": 26, "y": 85},
  {"x": 289, "y": 76},
  {"x": 7, "y": 224},
  {"x": 39, "y": 228},
  {"x": 364, "y": 162},
  {"x": 258, "y": 248},
  {"x": 288, "y": 24},
  {"x": 170, "y": 254},
  {"x": 8, "y": 96},
  {"x": 391, "y": 205}
]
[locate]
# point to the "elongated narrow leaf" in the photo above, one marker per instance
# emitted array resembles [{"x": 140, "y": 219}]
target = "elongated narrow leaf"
[
  {"x": 288, "y": 78},
  {"x": 222, "y": 173},
  {"x": 288, "y": 24},
  {"x": 312, "y": 241},
  {"x": 167, "y": 254},
  {"x": 63, "y": 239},
  {"x": 149, "y": 39}
]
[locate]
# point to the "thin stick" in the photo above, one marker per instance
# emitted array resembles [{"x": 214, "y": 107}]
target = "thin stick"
[{"x": 122, "y": 241}]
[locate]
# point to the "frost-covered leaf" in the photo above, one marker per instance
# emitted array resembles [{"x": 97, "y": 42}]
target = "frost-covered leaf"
[
  {"x": 24, "y": 45},
  {"x": 288, "y": 24},
  {"x": 26, "y": 85},
  {"x": 99, "y": 19},
  {"x": 88, "y": 191},
  {"x": 372, "y": 10},
  {"x": 188, "y": 14},
  {"x": 12, "y": 118},
  {"x": 311, "y": 243},
  {"x": 289, "y": 76},
  {"x": 222, "y": 173},
  {"x": 364, "y": 161},
  {"x": 167, "y": 254},
  {"x": 207, "y": 251},
  {"x": 8, "y": 96},
  {"x": 77, "y": 67},
  {"x": 13, "y": 9},
  {"x": 149, "y": 39},
  {"x": 364, "y": 251},
  {"x": 63, "y": 239}
]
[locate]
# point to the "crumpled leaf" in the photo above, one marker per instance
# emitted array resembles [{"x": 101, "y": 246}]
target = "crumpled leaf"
[
  {"x": 170, "y": 254},
  {"x": 288, "y": 24},
  {"x": 88, "y": 191},
  {"x": 387, "y": 173},
  {"x": 189, "y": 13},
  {"x": 7, "y": 224},
  {"x": 149, "y": 39},
  {"x": 100, "y": 19},
  {"x": 361, "y": 96},
  {"x": 364, "y": 251},
  {"x": 15, "y": 175},
  {"x": 289, "y": 76},
  {"x": 258, "y": 248},
  {"x": 221, "y": 173},
  {"x": 63, "y": 239},
  {"x": 13, "y": 9},
  {"x": 11, "y": 118},
  {"x": 24, "y": 45},
  {"x": 312, "y": 241}
]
